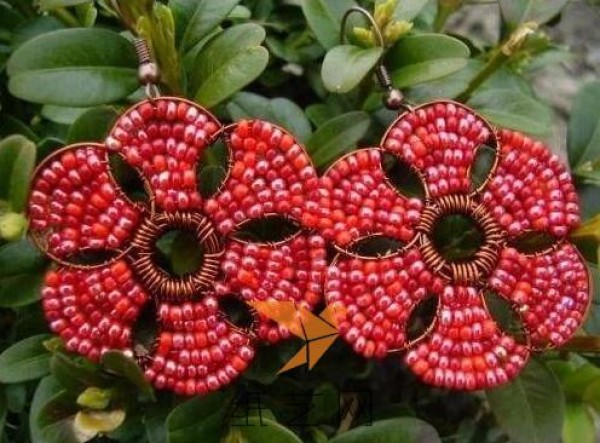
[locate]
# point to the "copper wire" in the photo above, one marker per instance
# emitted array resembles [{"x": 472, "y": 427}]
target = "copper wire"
[{"x": 157, "y": 280}]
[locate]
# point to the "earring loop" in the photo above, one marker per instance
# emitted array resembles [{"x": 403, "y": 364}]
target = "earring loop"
[{"x": 394, "y": 99}]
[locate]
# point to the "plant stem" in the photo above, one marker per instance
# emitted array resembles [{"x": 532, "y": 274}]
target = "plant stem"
[
  {"x": 493, "y": 64},
  {"x": 584, "y": 343},
  {"x": 66, "y": 17},
  {"x": 500, "y": 56}
]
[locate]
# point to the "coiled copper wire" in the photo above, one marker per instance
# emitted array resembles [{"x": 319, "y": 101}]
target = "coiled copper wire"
[{"x": 157, "y": 280}]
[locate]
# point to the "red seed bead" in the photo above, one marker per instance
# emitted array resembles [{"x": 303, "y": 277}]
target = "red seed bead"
[
  {"x": 465, "y": 350},
  {"x": 76, "y": 210},
  {"x": 354, "y": 199},
  {"x": 551, "y": 290},
  {"x": 271, "y": 174},
  {"x": 165, "y": 140},
  {"x": 185, "y": 351},
  {"x": 292, "y": 270},
  {"x": 440, "y": 141},
  {"x": 89, "y": 312},
  {"x": 375, "y": 297},
  {"x": 531, "y": 189}
]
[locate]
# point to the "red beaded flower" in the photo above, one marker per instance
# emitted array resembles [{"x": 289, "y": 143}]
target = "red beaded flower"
[
  {"x": 75, "y": 206},
  {"x": 528, "y": 190}
]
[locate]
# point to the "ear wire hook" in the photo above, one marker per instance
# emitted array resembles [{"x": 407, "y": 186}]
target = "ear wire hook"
[
  {"x": 148, "y": 72},
  {"x": 394, "y": 99}
]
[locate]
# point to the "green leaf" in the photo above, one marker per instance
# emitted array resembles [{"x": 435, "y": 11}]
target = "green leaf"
[
  {"x": 229, "y": 62},
  {"x": 325, "y": 19},
  {"x": 46, "y": 389},
  {"x": 278, "y": 110},
  {"x": 76, "y": 373},
  {"x": 337, "y": 136},
  {"x": 513, "y": 110},
  {"x": 56, "y": 420},
  {"x": 196, "y": 19},
  {"x": 25, "y": 360},
  {"x": 425, "y": 57},
  {"x": 121, "y": 365},
  {"x": 344, "y": 67},
  {"x": 17, "y": 160},
  {"x": 198, "y": 419},
  {"x": 407, "y": 9},
  {"x": 74, "y": 67},
  {"x": 61, "y": 114},
  {"x": 405, "y": 430},
  {"x": 541, "y": 406},
  {"x": 260, "y": 430},
  {"x": 47, "y": 5},
  {"x": 579, "y": 425},
  {"x": 93, "y": 124},
  {"x": 20, "y": 290},
  {"x": 515, "y": 12},
  {"x": 584, "y": 126},
  {"x": 576, "y": 383},
  {"x": 19, "y": 257}
]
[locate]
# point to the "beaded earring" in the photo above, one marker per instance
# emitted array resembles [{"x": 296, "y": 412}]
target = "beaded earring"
[
  {"x": 76, "y": 207},
  {"x": 528, "y": 190}
]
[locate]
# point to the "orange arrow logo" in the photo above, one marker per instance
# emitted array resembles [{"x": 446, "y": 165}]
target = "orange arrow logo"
[{"x": 319, "y": 333}]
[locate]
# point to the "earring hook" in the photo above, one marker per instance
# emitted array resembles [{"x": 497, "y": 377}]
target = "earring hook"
[{"x": 394, "y": 98}]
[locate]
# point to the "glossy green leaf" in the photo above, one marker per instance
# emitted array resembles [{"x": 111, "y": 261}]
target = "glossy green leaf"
[
  {"x": 198, "y": 419},
  {"x": 47, "y": 5},
  {"x": 35, "y": 27},
  {"x": 584, "y": 126},
  {"x": 25, "y": 360},
  {"x": 20, "y": 290},
  {"x": 74, "y": 67},
  {"x": 591, "y": 395},
  {"x": 337, "y": 136},
  {"x": 579, "y": 424},
  {"x": 405, "y": 430},
  {"x": 513, "y": 109},
  {"x": 46, "y": 389},
  {"x": 278, "y": 110},
  {"x": 541, "y": 406},
  {"x": 93, "y": 124},
  {"x": 196, "y": 19},
  {"x": 346, "y": 66},
  {"x": 229, "y": 62},
  {"x": 17, "y": 160},
  {"x": 61, "y": 114},
  {"x": 260, "y": 430},
  {"x": 325, "y": 19},
  {"x": 515, "y": 12},
  {"x": 424, "y": 57},
  {"x": 76, "y": 373},
  {"x": 56, "y": 420},
  {"x": 118, "y": 363},
  {"x": 407, "y": 9},
  {"x": 20, "y": 257},
  {"x": 576, "y": 383}
]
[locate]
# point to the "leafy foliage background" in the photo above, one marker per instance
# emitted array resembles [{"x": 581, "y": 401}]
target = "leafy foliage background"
[{"x": 67, "y": 69}]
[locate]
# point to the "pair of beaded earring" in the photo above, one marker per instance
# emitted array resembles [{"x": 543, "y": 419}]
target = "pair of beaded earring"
[{"x": 76, "y": 206}]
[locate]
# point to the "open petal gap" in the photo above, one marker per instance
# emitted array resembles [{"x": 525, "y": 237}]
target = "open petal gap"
[
  {"x": 128, "y": 179},
  {"x": 533, "y": 242},
  {"x": 144, "y": 333},
  {"x": 376, "y": 246},
  {"x": 422, "y": 318},
  {"x": 402, "y": 177},
  {"x": 213, "y": 169},
  {"x": 236, "y": 312},
  {"x": 269, "y": 229},
  {"x": 507, "y": 319},
  {"x": 483, "y": 165},
  {"x": 92, "y": 257}
]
